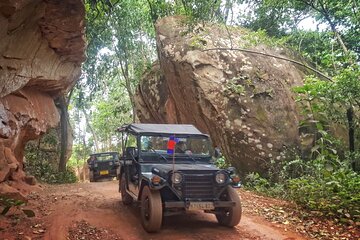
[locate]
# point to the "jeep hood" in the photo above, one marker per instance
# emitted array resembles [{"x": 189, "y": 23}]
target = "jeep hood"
[{"x": 184, "y": 167}]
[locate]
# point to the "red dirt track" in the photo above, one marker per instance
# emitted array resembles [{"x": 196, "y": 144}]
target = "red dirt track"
[{"x": 94, "y": 211}]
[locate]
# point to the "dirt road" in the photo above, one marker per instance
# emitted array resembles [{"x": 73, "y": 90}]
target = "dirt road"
[{"x": 94, "y": 211}]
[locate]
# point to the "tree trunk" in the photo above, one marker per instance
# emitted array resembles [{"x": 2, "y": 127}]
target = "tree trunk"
[
  {"x": 125, "y": 73},
  {"x": 64, "y": 132},
  {"x": 91, "y": 130},
  {"x": 350, "y": 118}
]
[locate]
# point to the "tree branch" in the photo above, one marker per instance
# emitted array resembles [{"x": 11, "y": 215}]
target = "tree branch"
[{"x": 270, "y": 55}]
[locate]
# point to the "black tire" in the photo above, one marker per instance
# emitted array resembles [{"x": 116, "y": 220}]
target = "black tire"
[
  {"x": 91, "y": 176},
  {"x": 151, "y": 210},
  {"x": 230, "y": 217},
  {"x": 125, "y": 197}
]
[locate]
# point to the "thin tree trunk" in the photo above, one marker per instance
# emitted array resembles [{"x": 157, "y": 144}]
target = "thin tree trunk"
[
  {"x": 63, "y": 132},
  {"x": 84, "y": 168},
  {"x": 350, "y": 118},
  {"x": 91, "y": 130},
  {"x": 125, "y": 72}
]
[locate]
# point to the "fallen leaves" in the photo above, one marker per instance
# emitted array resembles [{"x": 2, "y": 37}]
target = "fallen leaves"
[
  {"x": 83, "y": 230},
  {"x": 38, "y": 229},
  {"x": 308, "y": 223}
]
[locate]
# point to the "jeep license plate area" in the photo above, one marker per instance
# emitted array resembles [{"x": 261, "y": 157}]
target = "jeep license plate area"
[
  {"x": 201, "y": 206},
  {"x": 104, "y": 172}
]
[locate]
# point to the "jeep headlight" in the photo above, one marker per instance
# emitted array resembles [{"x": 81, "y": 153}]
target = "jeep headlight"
[
  {"x": 95, "y": 165},
  {"x": 176, "y": 178},
  {"x": 220, "y": 178},
  {"x": 110, "y": 163}
]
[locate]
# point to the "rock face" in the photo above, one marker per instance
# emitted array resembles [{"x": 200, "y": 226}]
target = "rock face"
[
  {"x": 41, "y": 50},
  {"x": 243, "y": 100}
]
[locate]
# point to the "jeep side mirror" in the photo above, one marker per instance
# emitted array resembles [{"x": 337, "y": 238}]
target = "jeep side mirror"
[{"x": 231, "y": 170}]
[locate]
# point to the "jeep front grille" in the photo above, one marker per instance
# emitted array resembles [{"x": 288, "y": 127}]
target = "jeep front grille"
[
  {"x": 198, "y": 186},
  {"x": 103, "y": 165}
]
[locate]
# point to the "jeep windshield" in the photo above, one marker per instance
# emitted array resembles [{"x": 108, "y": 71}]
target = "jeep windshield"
[
  {"x": 105, "y": 157},
  {"x": 182, "y": 147}
]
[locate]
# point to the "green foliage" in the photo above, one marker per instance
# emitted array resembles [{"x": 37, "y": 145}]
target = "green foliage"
[
  {"x": 222, "y": 163},
  {"x": 256, "y": 38},
  {"x": 281, "y": 18},
  {"x": 335, "y": 192},
  {"x": 80, "y": 153},
  {"x": 39, "y": 164},
  {"x": 234, "y": 86},
  {"x": 326, "y": 183},
  {"x": 256, "y": 182},
  {"x": 197, "y": 42},
  {"x": 8, "y": 203}
]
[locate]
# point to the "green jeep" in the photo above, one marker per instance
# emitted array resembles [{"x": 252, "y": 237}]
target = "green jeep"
[
  {"x": 103, "y": 165},
  {"x": 168, "y": 168}
]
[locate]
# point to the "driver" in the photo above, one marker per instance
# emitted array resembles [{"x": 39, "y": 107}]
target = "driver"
[
  {"x": 91, "y": 159},
  {"x": 180, "y": 147}
]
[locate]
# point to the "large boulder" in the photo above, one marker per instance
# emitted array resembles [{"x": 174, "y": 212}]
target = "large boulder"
[
  {"x": 243, "y": 100},
  {"x": 42, "y": 47}
]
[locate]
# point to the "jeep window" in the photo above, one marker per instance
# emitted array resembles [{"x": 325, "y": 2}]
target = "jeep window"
[
  {"x": 131, "y": 141},
  {"x": 189, "y": 145},
  {"x": 104, "y": 157}
]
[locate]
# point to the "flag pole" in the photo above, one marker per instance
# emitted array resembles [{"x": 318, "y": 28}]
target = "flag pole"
[{"x": 173, "y": 164}]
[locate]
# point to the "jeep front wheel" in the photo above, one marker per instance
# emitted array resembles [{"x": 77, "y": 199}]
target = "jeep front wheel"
[
  {"x": 151, "y": 210},
  {"x": 125, "y": 197},
  {"x": 230, "y": 216}
]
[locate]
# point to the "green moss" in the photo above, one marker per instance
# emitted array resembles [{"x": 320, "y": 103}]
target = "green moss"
[
  {"x": 233, "y": 87},
  {"x": 197, "y": 42}
]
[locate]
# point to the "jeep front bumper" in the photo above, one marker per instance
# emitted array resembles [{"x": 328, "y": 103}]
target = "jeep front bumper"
[{"x": 186, "y": 205}]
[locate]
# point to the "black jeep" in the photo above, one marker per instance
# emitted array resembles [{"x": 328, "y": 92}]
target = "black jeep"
[
  {"x": 168, "y": 169},
  {"x": 103, "y": 165}
]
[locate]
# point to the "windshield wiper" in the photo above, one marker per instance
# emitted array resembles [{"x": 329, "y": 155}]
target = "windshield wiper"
[
  {"x": 188, "y": 155},
  {"x": 159, "y": 154}
]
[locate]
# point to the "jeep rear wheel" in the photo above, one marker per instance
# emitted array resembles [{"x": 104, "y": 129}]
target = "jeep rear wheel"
[
  {"x": 230, "y": 216},
  {"x": 91, "y": 176},
  {"x": 151, "y": 210},
  {"x": 125, "y": 197}
]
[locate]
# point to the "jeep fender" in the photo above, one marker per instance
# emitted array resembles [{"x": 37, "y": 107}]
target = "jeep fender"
[{"x": 144, "y": 182}]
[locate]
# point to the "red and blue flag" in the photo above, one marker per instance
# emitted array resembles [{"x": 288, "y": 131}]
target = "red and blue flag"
[{"x": 171, "y": 144}]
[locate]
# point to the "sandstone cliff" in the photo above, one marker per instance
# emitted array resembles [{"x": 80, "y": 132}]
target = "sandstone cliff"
[
  {"x": 243, "y": 100},
  {"x": 41, "y": 50}
]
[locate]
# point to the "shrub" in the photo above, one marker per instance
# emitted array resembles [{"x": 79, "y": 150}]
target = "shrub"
[
  {"x": 324, "y": 184},
  {"x": 222, "y": 163},
  {"x": 335, "y": 193},
  {"x": 42, "y": 163}
]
